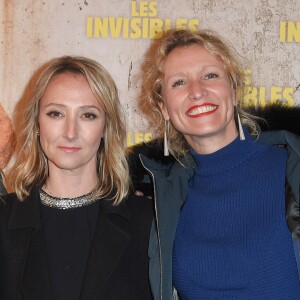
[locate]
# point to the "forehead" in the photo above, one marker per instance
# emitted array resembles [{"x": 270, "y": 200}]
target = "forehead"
[
  {"x": 69, "y": 87},
  {"x": 190, "y": 56},
  {"x": 66, "y": 78}
]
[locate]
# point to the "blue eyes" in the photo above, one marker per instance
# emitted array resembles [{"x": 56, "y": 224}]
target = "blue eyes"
[
  {"x": 210, "y": 76},
  {"x": 180, "y": 82}
]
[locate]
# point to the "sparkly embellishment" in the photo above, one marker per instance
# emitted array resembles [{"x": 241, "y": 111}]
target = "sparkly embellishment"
[{"x": 67, "y": 203}]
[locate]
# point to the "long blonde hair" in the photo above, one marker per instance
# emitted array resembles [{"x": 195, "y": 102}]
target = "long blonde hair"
[
  {"x": 153, "y": 74},
  {"x": 31, "y": 168}
]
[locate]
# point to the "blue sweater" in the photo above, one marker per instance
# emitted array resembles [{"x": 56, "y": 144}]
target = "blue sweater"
[{"x": 232, "y": 241}]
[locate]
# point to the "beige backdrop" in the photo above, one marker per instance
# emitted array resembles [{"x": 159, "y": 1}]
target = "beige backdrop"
[{"x": 117, "y": 32}]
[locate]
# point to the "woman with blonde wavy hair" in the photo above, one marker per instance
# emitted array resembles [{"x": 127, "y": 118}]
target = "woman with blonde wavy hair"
[
  {"x": 220, "y": 196},
  {"x": 71, "y": 229}
]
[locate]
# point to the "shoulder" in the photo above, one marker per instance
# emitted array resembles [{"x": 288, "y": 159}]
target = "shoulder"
[
  {"x": 6, "y": 204},
  {"x": 9, "y": 204},
  {"x": 132, "y": 211},
  {"x": 271, "y": 154},
  {"x": 139, "y": 206},
  {"x": 11, "y": 200},
  {"x": 283, "y": 138},
  {"x": 21, "y": 214},
  {"x": 273, "y": 146},
  {"x": 140, "y": 210},
  {"x": 7, "y": 201}
]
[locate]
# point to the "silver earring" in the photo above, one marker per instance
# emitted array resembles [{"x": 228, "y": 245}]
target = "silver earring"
[
  {"x": 166, "y": 135},
  {"x": 241, "y": 131},
  {"x": 38, "y": 133}
]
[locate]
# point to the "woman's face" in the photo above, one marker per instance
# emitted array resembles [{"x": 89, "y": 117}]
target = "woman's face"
[
  {"x": 198, "y": 98},
  {"x": 71, "y": 124}
]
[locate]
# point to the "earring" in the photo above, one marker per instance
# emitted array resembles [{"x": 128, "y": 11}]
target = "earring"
[
  {"x": 37, "y": 133},
  {"x": 166, "y": 135},
  {"x": 241, "y": 131}
]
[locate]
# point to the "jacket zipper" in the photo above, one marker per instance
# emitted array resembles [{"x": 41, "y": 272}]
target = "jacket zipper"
[{"x": 156, "y": 217}]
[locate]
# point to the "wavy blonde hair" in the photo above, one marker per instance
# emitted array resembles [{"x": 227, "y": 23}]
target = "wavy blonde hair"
[
  {"x": 152, "y": 96},
  {"x": 31, "y": 168}
]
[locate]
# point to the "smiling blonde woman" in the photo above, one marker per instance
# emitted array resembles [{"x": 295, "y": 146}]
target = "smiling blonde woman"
[{"x": 221, "y": 230}]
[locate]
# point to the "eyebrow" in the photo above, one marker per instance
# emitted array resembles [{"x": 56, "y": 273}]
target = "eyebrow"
[
  {"x": 183, "y": 73},
  {"x": 65, "y": 106}
]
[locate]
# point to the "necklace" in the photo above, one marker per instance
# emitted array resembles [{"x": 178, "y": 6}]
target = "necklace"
[{"x": 67, "y": 203}]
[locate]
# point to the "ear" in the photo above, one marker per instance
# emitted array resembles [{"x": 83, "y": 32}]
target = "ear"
[{"x": 164, "y": 110}]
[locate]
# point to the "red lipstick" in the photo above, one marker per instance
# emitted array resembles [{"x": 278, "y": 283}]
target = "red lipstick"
[{"x": 204, "y": 109}]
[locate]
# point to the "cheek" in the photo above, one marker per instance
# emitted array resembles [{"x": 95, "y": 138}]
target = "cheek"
[
  {"x": 175, "y": 109},
  {"x": 174, "y": 103},
  {"x": 95, "y": 141},
  {"x": 230, "y": 112},
  {"x": 228, "y": 100},
  {"x": 45, "y": 144},
  {"x": 93, "y": 137},
  {"x": 45, "y": 140},
  {"x": 46, "y": 128},
  {"x": 49, "y": 135}
]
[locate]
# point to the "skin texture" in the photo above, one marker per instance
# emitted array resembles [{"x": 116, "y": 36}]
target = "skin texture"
[
  {"x": 71, "y": 124},
  {"x": 7, "y": 138},
  {"x": 198, "y": 98}
]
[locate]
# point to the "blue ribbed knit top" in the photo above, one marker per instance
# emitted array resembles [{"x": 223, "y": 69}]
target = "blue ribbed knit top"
[{"x": 232, "y": 240}]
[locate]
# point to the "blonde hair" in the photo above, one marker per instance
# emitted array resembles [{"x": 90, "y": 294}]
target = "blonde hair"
[
  {"x": 152, "y": 96},
  {"x": 31, "y": 168}
]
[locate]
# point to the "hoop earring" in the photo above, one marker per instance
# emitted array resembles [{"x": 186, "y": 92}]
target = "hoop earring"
[
  {"x": 166, "y": 135},
  {"x": 241, "y": 131}
]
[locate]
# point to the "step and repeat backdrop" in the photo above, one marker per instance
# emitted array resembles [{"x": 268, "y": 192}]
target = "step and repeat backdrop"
[{"x": 117, "y": 33}]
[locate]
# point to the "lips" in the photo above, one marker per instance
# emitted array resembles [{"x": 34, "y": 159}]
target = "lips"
[
  {"x": 201, "y": 110},
  {"x": 69, "y": 149}
]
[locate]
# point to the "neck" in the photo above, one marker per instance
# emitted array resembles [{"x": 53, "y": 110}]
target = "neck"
[
  {"x": 68, "y": 184},
  {"x": 211, "y": 144}
]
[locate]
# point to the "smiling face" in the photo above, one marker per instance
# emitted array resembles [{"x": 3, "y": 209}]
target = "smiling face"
[
  {"x": 71, "y": 124},
  {"x": 198, "y": 98}
]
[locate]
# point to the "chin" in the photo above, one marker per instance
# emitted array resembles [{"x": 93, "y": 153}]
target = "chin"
[{"x": 209, "y": 131}]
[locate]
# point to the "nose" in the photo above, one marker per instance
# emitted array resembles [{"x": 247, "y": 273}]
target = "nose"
[
  {"x": 71, "y": 128},
  {"x": 197, "y": 90}
]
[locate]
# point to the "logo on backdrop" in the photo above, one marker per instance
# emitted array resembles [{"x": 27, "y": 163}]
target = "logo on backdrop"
[
  {"x": 143, "y": 23},
  {"x": 289, "y": 32},
  {"x": 261, "y": 96}
]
